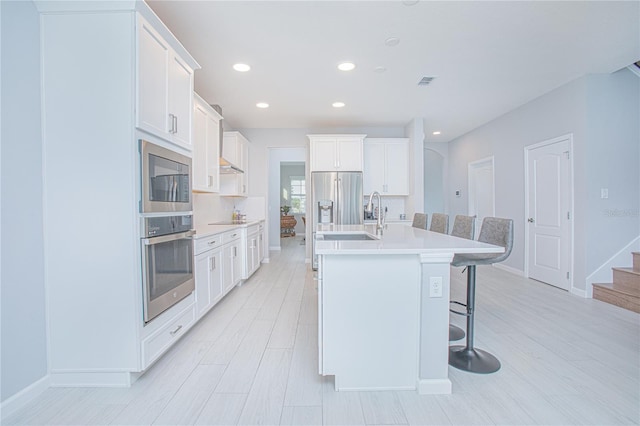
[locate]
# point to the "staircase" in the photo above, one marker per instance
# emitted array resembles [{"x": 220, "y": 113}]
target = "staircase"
[{"x": 625, "y": 290}]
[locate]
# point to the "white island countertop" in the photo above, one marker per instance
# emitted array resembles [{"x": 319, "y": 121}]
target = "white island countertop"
[{"x": 396, "y": 239}]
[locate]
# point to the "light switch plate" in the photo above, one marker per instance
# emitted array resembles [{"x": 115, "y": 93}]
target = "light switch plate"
[
  {"x": 604, "y": 193},
  {"x": 435, "y": 286}
]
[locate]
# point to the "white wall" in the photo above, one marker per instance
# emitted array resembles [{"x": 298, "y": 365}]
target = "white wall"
[
  {"x": 24, "y": 347},
  {"x": 613, "y": 120},
  {"x": 589, "y": 108}
]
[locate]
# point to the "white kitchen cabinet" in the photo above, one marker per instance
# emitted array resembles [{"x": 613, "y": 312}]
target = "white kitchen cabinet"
[
  {"x": 165, "y": 88},
  {"x": 235, "y": 150},
  {"x": 206, "y": 147},
  {"x": 336, "y": 153},
  {"x": 232, "y": 260},
  {"x": 386, "y": 166},
  {"x": 95, "y": 68},
  {"x": 261, "y": 240},
  {"x": 253, "y": 251},
  {"x": 208, "y": 273}
]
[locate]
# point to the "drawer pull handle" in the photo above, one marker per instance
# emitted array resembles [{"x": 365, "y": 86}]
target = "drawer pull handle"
[
  {"x": 173, "y": 332},
  {"x": 211, "y": 243}
]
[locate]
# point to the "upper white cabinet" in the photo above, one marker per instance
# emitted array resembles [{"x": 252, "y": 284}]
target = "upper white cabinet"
[
  {"x": 331, "y": 153},
  {"x": 206, "y": 147},
  {"x": 165, "y": 88},
  {"x": 386, "y": 166},
  {"x": 235, "y": 155}
]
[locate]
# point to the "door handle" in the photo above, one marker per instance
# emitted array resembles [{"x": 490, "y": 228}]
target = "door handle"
[{"x": 530, "y": 220}]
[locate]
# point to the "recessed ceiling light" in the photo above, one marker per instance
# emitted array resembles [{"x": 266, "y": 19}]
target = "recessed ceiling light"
[
  {"x": 346, "y": 66},
  {"x": 379, "y": 70},
  {"x": 337, "y": 104},
  {"x": 241, "y": 67},
  {"x": 262, "y": 105},
  {"x": 392, "y": 41},
  {"x": 437, "y": 132}
]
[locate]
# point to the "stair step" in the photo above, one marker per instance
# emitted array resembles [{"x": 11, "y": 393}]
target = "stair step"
[
  {"x": 626, "y": 280},
  {"x": 606, "y": 293},
  {"x": 636, "y": 260}
]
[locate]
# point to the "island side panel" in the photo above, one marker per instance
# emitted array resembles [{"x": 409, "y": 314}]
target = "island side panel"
[
  {"x": 434, "y": 330},
  {"x": 371, "y": 314}
]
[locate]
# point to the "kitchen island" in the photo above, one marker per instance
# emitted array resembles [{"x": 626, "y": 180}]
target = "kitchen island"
[{"x": 383, "y": 306}]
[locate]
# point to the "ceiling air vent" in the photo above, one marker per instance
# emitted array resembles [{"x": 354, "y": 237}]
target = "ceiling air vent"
[{"x": 425, "y": 81}]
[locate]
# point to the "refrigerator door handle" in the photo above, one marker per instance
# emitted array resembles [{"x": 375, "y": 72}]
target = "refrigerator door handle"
[{"x": 340, "y": 201}]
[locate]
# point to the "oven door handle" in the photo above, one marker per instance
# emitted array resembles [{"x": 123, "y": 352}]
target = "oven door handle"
[{"x": 166, "y": 238}]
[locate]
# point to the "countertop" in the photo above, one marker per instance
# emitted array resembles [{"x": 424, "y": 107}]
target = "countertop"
[
  {"x": 204, "y": 230},
  {"x": 398, "y": 239}
]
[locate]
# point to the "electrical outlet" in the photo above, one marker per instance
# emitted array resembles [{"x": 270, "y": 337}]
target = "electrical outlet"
[{"x": 435, "y": 286}]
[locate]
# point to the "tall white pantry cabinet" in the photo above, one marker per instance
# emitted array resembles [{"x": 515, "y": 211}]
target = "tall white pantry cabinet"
[{"x": 91, "y": 100}]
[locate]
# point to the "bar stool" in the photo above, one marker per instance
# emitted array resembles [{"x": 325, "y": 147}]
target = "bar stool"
[
  {"x": 463, "y": 227},
  {"x": 439, "y": 223},
  {"x": 494, "y": 231},
  {"x": 420, "y": 220}
]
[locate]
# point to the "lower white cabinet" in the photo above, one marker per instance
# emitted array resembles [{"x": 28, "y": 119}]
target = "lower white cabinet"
[
  {"x": 158, "y": 342},
  {"x": 208, "y": 273},
  {"x": 261, "y": 240},
  {"x": 232, "y": 260}
]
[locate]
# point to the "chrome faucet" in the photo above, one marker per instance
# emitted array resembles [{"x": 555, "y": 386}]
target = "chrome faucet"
[{"x": 380, "y": 219}]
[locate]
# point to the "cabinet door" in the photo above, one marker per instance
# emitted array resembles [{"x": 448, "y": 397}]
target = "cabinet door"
[
  {"x": 237, "y": 262},
  {"x": 244, "y": 184},
  {"x": 323, "y": 155},
  {"x": 202, "y": 278},
  {"x": 261, "y": 246},
  {"x": 213, "y": 153},
  {"x": 215, "y": 275},
  {"x": 349, "y": 154},
  {"x": 180, "y": 100},
  {"x": 227, "y": 268},
  {"x": 153, "y": 69},
  {"x": 396, "y": 168},
  {"x": 200, "y": 149},
  {"x": 373, "y": 176}
]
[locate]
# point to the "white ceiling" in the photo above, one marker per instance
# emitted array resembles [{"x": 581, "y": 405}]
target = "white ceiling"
[{"x": 488, "y": 57}]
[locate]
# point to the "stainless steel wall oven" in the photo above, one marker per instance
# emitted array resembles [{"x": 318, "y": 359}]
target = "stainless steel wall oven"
[{"x": 167, "y": 262}]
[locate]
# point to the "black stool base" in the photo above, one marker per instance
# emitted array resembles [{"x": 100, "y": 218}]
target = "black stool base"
[
  {"x": 473, "y": 360},
  {"x": 455, "y": 333}
]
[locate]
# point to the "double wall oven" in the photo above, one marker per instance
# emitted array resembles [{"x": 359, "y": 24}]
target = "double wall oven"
[{"x": 167, "y": 228}]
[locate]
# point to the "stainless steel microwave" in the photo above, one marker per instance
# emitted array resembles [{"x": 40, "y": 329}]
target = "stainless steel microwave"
[{"x": 166, "y": 180}]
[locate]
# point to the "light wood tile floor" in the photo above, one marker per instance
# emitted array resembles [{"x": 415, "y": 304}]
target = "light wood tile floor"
[{"x": 253, "y": 360}]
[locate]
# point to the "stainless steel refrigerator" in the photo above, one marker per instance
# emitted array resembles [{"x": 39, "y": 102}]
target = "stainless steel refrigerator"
[{"x": 336, "y": 199}]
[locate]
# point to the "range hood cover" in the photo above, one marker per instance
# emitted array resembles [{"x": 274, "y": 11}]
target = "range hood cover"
[{"x": 226, "y": 167}]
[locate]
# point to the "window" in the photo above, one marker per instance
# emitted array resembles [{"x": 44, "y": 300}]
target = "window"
[{"x": 298, "y": 194}]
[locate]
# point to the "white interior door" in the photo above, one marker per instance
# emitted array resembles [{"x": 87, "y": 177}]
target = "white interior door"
[
  {"x": 481, "y": 191},
  {"x": 548, "y": 213}
]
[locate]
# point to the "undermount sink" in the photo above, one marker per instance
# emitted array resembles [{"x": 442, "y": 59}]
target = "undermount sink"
[{"x": 348, "y": 237}]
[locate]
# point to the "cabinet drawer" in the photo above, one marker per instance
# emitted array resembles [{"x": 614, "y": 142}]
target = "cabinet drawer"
[
  {"x": 156, "y": 344},
  {"x": 253, "y": 229},
  {"x": 208, "y": 243},
  {"x": 232, "y": 235}
]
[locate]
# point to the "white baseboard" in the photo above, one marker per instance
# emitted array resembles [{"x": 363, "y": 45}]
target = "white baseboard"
[
  {"x": 434, "y": 386},
  {"x": 604, "y": 274},
  {"x": 276, "y": 248},
  {"x": 265, "y": 260},
  {"x": 579, "y": 292},
  {"x": 91, "y": 379},
  {"x": 22, "y": 398},
  {"x": 514, "y": 271}
]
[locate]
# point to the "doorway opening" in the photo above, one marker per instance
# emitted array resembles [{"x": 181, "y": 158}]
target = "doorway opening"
[{"x": 281, "y": 163}]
